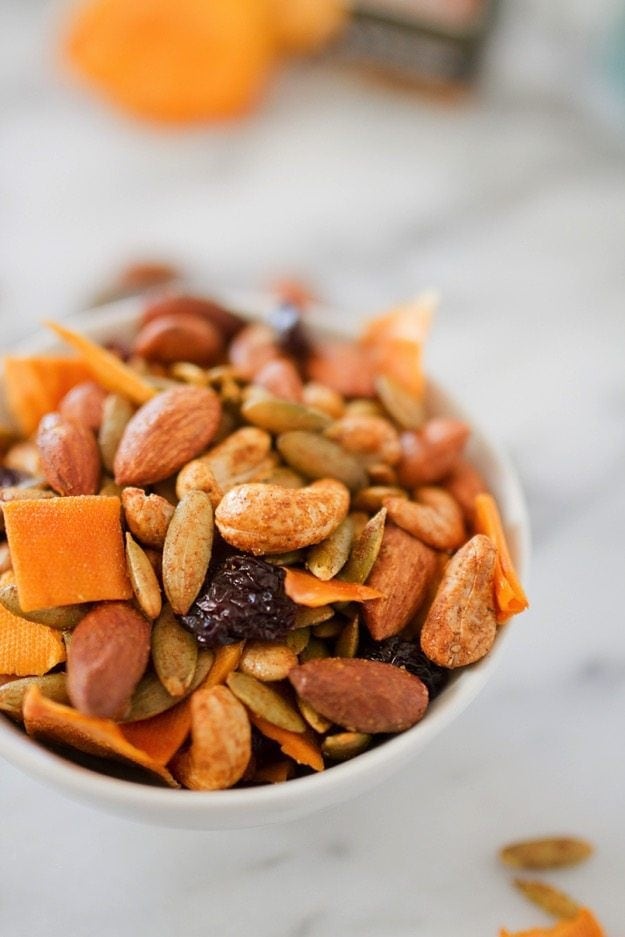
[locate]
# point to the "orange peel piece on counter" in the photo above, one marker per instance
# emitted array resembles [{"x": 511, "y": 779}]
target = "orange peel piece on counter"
[
  {"x": 105, "y": 367},
  {"x": 161, "y": 736},
  {"x": 297, "y": 745},
  {"x": 26, "y": 648},
  {"x": 395, "y": 340},
  {"x": 174, "y": 61},
  {"x": 55, "y": 722},
  {"x": 35, "y": 386},
  {"x": 67, "y": 551},
  {"x": 308, "y": 590},
  {"x": 509, "y": 594},
  {"x": 584, "y": 924}
]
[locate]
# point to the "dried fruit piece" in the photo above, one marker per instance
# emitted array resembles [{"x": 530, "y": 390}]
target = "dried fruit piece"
[
  {"x": 54, "y": 722},
  {"x": 460, "y": 626},
  {"x": 434, "y": 517},
  {"x": 148, "y": 516},
  {"x": 165, "y": 434},
  {"x": 262, "y": 519},
  {"x": 27, "y": 648},
  {"x": 187, "y": 550},
  {"x": 549, "y": 853},
  {"x": 69, "y": 455},
  {"x": 361, "y": 695},
  {"x": 584, "y": 924},
  {"x": 83, "y": 535},
  {"x": 226, "y": 660},
  {"x": 161, "y": 736},
  {"x": 107, "y": 658},
  {"x": 299, "y": 746},
  {"x": 509, "y": 594},
  {"x": 402, "y": 573},
  {"x": 35, "y": 386},
  {"x": 244, "y": 599},
  {"x": 143, "y": 578},
  {"x": 265, "y": 702},
  {"x": 316, "y": 457},
  {"x": 550, "y": 899},
  {"x": 12, "y": 694},
  {"x": 174, "y": 653},
  {"x": 409, "y": 656},
  {"x": 308, "y": 590}
]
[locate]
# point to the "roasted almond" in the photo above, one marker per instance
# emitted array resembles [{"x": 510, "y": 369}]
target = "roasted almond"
[
  {"x": 165, "y": 434},
  {"x": 253, "y": 347},
  {"x": 431, "y": 453},
  {"x": 402, "y": 572},
  {"x": 226, "y": 322},
  {"x": 181, "y": 337},
  {"x": 69, "y": 455},
  {"x": 281, "y": 378},
  {"x": 361, "y": 695},
  {"x": 148, "y": 516},
  {"x": 461, "y": 623},
  {"x": 344, "y": 367},
  {"x": 84, "y": 404},
  {"x": 434, "y": 517},
  {"x": 107, "y": 658},
  {"x": 464, "y": 484}
]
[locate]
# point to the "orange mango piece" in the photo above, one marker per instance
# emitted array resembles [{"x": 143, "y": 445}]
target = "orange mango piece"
[
  {"x": 66, "y": 551},
  {"x": 275, "y": 773},
  {"x": 226, "y": 660},
  {"x": 312, "y": 592},
  {"x": 35, "y": 386},
  {"x": 105, "y": 367},
  {"x": 182, "y": 61},
  {"x": 55, "y": 722},
  {"x": 509, "y": 594},
  {"x": 394, "y": 342},
  {"x": 26, "y": 648},
  {"x": 299, "y": 746},
  {"x": 584, "y": 924},
  {"x": 161, "y": 736}
]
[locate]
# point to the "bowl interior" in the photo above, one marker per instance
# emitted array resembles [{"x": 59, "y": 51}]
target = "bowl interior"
[{"x": 256, "y": 806}]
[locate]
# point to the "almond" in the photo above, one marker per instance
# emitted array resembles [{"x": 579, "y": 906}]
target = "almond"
[
  {"x": 402, "y": 572},
  {"x": 344, "y": 367},
  {"x": 165, "y": 434},
  {"x": 281, "y": 378},
  {"x": 107, "y": 657},
  {"x": 361, "y": 695},
  {"x": 431, "y": 453},
  {"x": 253, "y": 347},
  {"x": 461, "y": 624},
  {"x": 372, "y": 438},
  {"x": 147, "y": 516},
  {"x": 464, "y": 484},
  {"x": 69, "y": 455},
  {"x": 182, "y": 337},
  {"x": 226, "y": 322},
  {"x": 435, "y": 518},
  {"x": 84, "y": 404}
]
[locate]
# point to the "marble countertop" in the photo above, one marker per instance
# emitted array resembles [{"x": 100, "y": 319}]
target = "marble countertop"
[{"x": 513, "y": 206}]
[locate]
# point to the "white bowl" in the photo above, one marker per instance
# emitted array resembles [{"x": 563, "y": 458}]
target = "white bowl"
[{"x": 272, "y": 803}]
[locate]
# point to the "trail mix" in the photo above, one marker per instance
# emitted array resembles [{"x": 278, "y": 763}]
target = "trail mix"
[{"x": 237, "y": 554}]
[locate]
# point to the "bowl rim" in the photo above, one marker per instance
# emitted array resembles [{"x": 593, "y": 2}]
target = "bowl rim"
[{"x": 255, "y": 804}]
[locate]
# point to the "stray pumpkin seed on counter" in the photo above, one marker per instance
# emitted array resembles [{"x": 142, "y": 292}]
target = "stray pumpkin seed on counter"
[{"x": 236, "y": 554}]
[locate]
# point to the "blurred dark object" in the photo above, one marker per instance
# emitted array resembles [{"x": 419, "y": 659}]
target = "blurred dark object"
[
  {"x": 432, "y": 44},
  {"x": 136, "y": 278}
]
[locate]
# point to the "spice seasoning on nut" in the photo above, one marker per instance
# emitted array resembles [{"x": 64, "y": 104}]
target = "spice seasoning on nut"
[{"x": 286, "y": 545}]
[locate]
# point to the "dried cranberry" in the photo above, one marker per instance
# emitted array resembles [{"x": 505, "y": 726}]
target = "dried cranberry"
[
  {"x": 10, "y": 477},
  {"x": 407, "y": 654},
  {"x": 290, "y": 331},
  {"x": 244, "y": 599}
]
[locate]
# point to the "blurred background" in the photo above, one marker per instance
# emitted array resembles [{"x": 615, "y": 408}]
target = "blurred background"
[{"x": 370, "y": 153}]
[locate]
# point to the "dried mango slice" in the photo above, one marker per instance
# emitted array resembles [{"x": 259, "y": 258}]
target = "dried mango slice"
[
  {"x": 161, "y": 736},
  {"x": 35, "y": 386},
  {"x": 395, "y": 340},
  {"x": 26, "y": 648},
  {"x": 312, "y": 592},
  {"x": 226, "y": 660},
  {"x": 299, "y": 746},
  {"x": 307, "y": 25},
  {"x": 509, "y": 594},
  {"x": 67, "y": 551},
  {"x": 188, "y": 60},
  {"x": 54, "y": 722},
  {"x": 584, "y": 924}
]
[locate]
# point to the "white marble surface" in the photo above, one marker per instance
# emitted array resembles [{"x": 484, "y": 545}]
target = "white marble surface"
[{"x": 514, "y": 207}]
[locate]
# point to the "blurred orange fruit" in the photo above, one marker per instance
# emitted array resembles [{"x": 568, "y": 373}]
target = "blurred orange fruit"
[
  {"x": 307, "y": 25},
  {"x": 174, "y": 60}
]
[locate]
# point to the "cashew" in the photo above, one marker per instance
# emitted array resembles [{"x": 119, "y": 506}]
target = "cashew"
[{"x": 261, "y": 518}]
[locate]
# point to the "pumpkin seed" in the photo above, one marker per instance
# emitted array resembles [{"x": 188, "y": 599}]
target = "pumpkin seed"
[
  {"x": 372, "y": 499},
  {"x": 189, "y": 373},
  {"x": 52, "y": 685},
  {"x": 187, "y": 550},
  {"x": 407, "y": 410},
  {"x": 63, "y": 618},
  {"x": 324, "y": 398},
  {"x": 345, "y": 745},
  {"x": 327, "y": 629},
  {"x": 143, "y": 579},
  {"x": 359, "y": 521},
  {"x": 347, "y": 644},
  {"x": 550, "y": 853},
  {"x": 151, "y": 698},
  {"x": 306, "y": 617},
  {"x": 116, "y": 414},
  {"x": 363, "y": 406},
  {"x": 298, "y": 639},
  {"x": 285, "y": 478},
  {"x": 317, "y": 457},
  {"x": 281, "y": 416},
  {"x": 314, "y": 719},
  {"x": 365, "y": 550},
  {"x": 327, "y": 558},
  {"x": 267, "y": 661},
  {"x": 382, "y": 474},
  {"x": 110, "y": 488},
  {"x": 174, "y": 653},
  {"x": 265, "y": 702},
  {"x": 548, "y": 898},
  {"x": 314, "y": 650},
  {"x": 284, "y": 559}
]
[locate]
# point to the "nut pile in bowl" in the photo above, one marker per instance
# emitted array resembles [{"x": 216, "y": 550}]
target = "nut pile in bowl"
[{"x": 235, "y": 553}]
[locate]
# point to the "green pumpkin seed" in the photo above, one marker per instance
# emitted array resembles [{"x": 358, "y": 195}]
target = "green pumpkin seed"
[
  {"x": 347, "y": 644},
  {"x": 298, "y": 639},
  {"x": 550, "y": 899},
  {"x": 314, "y": 650},
  {"x": 306, "y": 617},
  {"x": 327, "y": 558},
  {"x": 285, "y": 478},
  {"x": 317, "y": 457},
  {"x": 187, "y": 550},
  {"x": 63, "y": 618},
  {"x": 265, "y": 702},
  {"x": 143, "y": 579},
  {"x": 52, "y": 685},
  {"x": 407, "y": 410},
  {"x": 284, "y": 559},
  {"x": 116, "y": 415},
  {"x": 174, "y": 653},
  {"x": 345, "y": 745},
  {"x": 151, "y": 698},
  {"x": 282, "y": 416},
  {"x": 314, "y": 719},
  {"x": 365, "y": 550},
  {"x": 327, "y": 629}
]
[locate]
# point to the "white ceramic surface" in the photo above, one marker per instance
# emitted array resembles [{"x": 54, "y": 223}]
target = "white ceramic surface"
[{"x": 268, "y": 804}]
